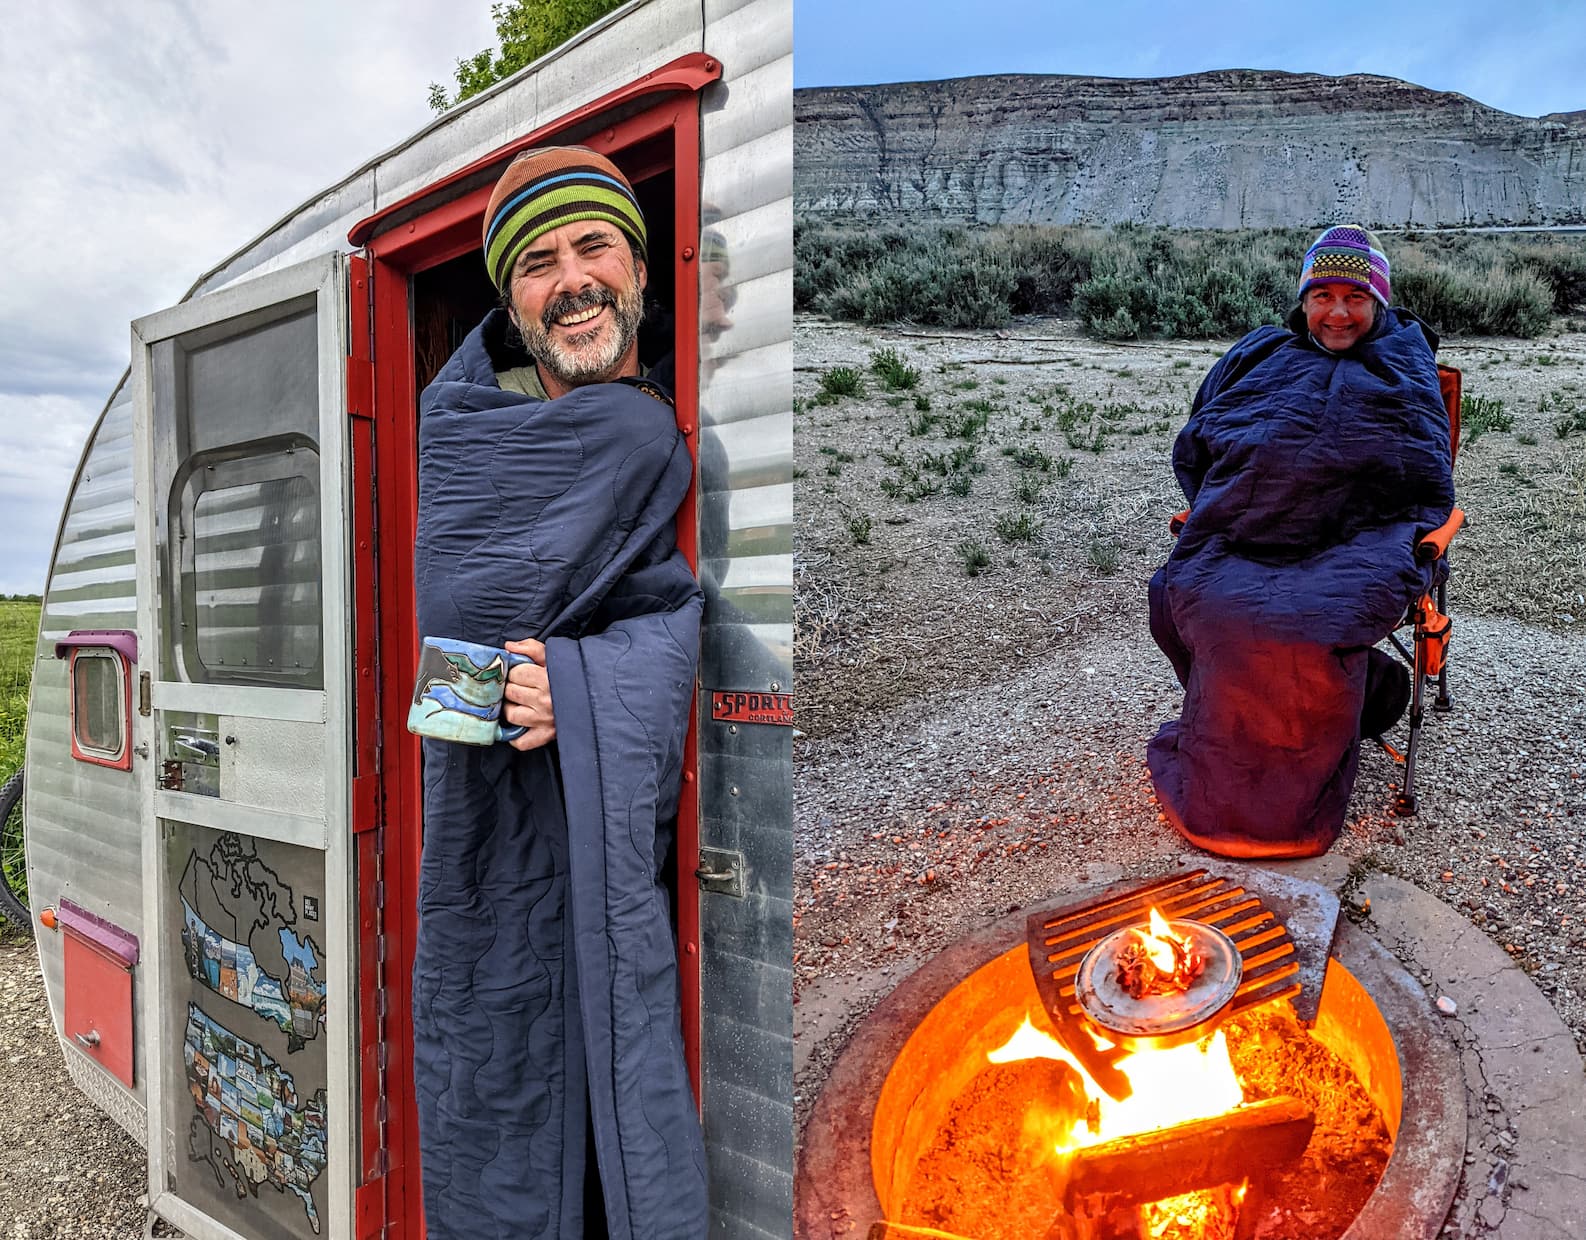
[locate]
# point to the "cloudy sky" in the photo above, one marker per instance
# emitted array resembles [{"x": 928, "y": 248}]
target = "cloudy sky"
[
  {"x": 142, "y": 144},
  {"x": 1523, "y": 56}
]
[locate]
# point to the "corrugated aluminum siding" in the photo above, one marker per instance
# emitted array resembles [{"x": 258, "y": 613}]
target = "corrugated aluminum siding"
[
  {"x": 83, "y": 836},
  {"x": 746, "y": 565}
]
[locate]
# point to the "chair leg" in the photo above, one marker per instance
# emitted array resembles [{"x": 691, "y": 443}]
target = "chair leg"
[
  {"x": 1406, "y": 805},
  {"x": 1442, "y": 703}
]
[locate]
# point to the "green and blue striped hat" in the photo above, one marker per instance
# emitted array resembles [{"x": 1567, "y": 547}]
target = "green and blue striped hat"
[{"x": 546, "y": 188}]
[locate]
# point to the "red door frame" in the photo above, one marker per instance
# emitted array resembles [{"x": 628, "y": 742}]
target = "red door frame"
[{"x": 385, "y": 452}]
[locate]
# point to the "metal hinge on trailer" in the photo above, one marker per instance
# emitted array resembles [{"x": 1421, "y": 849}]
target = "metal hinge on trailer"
[{"x": 374, "y": 1205}]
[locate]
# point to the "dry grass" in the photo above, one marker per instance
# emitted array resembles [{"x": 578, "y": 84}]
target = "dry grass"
[
  {"x": 1523, "y": 554},
  {"x": 824, "y": 618}
]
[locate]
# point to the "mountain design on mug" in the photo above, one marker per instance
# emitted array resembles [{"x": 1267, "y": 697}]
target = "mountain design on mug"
[{"x": 449, "y": 679}]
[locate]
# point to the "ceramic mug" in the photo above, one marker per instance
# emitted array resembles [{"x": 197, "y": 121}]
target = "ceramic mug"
[{"x": 460, "y": 690}]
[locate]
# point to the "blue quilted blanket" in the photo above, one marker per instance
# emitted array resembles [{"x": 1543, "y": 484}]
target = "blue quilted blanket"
[
  {"x": 1310, "y": 476},
  {"x": 545, "y": 992}
]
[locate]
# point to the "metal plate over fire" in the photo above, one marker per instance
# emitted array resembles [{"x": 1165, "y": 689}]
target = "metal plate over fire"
[
  {"x": 1060, "y": 938},
  {"x": 1160, "y": 1020}
]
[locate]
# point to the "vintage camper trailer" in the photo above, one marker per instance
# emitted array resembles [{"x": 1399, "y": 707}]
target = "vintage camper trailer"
[{"x": 222, "y": 801}]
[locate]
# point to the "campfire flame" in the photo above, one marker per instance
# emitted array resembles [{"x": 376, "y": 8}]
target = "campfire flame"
[
  {"x": 1168, "y": 1086},
  {"x": 1204, "y": 1215},
  {"x": 1159, "y": 942}
]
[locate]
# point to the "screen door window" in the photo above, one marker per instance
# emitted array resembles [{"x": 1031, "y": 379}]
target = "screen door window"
[{"x": 241, "y": 536}]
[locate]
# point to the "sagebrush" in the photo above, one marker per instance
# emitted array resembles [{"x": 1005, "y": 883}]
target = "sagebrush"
[{"x": 1133, "y": 282}]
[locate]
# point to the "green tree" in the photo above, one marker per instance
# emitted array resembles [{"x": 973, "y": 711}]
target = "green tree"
[{"x": 526, "y": 30}]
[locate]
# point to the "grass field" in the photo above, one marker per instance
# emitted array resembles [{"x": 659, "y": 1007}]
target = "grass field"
[
  {"x": 19, "y": 630},
  {"x": 19, "y": 625}
]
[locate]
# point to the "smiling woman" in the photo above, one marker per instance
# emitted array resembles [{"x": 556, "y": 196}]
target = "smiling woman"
[
  {"x": 1338, "y": 315},
  {"x": 1343, "y": 284},
  {"x": 1315, "y": 459}
]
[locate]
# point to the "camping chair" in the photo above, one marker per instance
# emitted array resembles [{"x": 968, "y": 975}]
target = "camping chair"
[
  {"x": 1429, "y": 623},
  {"x": 1426, "y": 618}
]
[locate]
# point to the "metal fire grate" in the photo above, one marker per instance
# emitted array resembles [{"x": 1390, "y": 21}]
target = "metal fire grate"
[{"x": 1059, "y": 939}]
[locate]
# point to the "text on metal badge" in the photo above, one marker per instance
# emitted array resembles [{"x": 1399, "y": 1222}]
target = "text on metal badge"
[{"x": 751, "y": 707}]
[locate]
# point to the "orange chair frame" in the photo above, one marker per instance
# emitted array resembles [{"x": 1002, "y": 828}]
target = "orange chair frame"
[{"x": 1428, "y": 620}]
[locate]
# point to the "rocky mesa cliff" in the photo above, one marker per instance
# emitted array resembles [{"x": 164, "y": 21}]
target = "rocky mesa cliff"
[{"x": 1228, "y": 149}]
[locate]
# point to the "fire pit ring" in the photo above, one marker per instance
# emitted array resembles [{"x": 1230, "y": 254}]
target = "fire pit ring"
[{"x": 1420, "y": 1077}]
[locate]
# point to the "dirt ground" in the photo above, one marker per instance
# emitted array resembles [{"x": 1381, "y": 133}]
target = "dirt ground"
[{"x": 973, "y": 743}]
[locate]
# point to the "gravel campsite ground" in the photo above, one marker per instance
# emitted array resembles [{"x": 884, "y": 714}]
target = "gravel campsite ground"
[
  {"x": 974, "y": 741},
  {"x": 66, "y": 1169}
]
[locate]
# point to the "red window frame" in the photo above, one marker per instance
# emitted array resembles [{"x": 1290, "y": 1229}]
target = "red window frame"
[
  {"x": 121, "y": 761},
  {"x": 399, "y": 242}
]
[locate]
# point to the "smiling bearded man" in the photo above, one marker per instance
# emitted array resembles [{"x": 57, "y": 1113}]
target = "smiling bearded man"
[
  {"x": 573, "y": 339},
  {"x": 553, "y": 1097},
  {"x": 565, "y": 242}
]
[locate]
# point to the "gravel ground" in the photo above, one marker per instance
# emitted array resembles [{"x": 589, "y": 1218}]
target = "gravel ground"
[
  {"x": 974, "y": 744},
  {"x": 66, "y": 1169}
]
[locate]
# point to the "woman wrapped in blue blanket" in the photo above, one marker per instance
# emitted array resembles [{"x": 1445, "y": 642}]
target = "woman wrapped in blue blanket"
[{"x": 1315, "y": 456}]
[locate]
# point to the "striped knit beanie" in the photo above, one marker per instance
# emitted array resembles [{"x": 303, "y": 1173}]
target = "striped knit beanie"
[
  {"x": 1347, "y": 253},
  {"x": 546, "y": 188}
]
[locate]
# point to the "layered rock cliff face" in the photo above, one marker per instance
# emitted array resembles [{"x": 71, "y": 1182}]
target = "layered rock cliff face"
[{"x": 1230, "y": 149}]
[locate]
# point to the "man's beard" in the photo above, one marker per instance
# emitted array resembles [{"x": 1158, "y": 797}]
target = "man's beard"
[{"x": 580, "y": 358}]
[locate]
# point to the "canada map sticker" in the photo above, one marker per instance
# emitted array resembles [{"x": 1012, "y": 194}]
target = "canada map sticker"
[
  {"x": 240, "y": 940},
  {"x": 268, "y": 1135}
]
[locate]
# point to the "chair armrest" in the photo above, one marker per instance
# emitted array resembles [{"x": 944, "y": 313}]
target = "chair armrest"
[
  {"x": 1435, "y": 545},
  {"x": 1175, "y": 523}
]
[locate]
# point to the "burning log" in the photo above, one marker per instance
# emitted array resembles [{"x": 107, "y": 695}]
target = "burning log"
[{"x": 1156, "y": 1165}]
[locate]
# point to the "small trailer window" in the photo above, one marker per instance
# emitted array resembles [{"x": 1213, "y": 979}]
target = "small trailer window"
[
  {"x": 253, "y": 593},
  {"x": 101, "y": 718}
]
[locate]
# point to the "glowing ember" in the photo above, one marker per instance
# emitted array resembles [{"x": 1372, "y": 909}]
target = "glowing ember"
[
  {"x": 1205, "y": 1215},
  {"x": 1158, "y": 962}
]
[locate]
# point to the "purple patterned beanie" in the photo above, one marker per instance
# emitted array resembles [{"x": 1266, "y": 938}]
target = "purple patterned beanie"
[{"x": 1348, "y": 253}]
